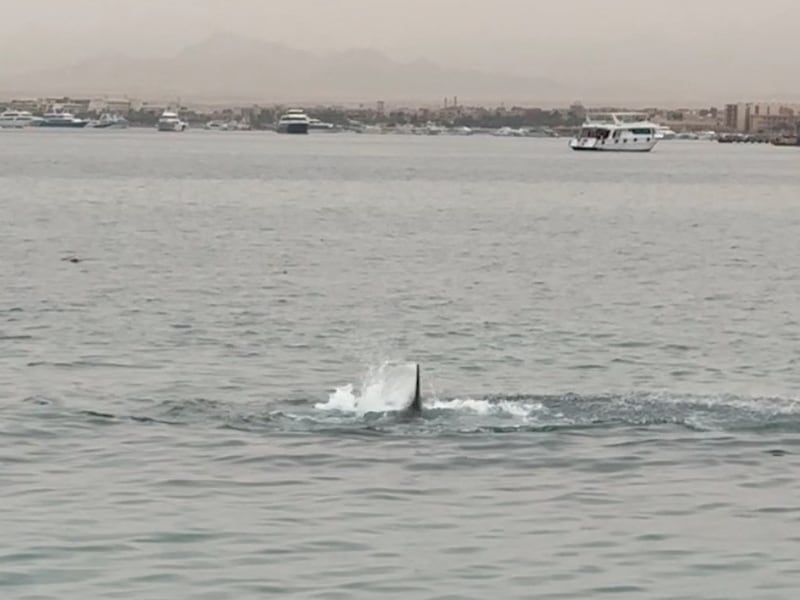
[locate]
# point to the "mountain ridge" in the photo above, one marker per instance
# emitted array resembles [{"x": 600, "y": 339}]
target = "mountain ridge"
[{"x": 229, "y": 67}]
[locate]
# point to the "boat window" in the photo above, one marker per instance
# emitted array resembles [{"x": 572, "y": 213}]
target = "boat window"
[{"x": 642, "y": 131}]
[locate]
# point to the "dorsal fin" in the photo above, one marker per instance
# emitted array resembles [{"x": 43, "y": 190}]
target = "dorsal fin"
[{"x": 416, "y": 403}]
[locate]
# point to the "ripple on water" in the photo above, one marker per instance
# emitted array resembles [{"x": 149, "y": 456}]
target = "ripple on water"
[{"x": 606, "y": 414}]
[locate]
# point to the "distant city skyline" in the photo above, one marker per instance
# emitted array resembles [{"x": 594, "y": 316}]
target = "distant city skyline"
[{"x": 635, "y": 51}]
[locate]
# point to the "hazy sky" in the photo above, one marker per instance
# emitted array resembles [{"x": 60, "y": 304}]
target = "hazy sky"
[{"x": 711, "y": 46}]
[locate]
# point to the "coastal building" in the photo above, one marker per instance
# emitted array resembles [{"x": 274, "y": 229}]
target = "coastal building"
[
  {"x": 32, "y": 105},
  {"x": 116, "y": 106},
  {"x": 151, "y": 109},
  {"x": 755, "y": 117},
  {"x": 773, "y": 123},
  {"x": 732, "y": 117},
  {"x": 76, "y": 106}
]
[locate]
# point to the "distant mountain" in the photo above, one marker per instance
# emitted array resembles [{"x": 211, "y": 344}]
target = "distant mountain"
[{"x": 233, "y": 68}]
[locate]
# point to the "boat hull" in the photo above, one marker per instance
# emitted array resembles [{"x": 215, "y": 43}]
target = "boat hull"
[
  {"x": 15, "y": 124},
  {"x": 171, "y": 126},
  {"x": 65, "y": 124},
  {"x": 18, "y": 120},
  {"x": 111, "y": 126},
  {"x": 106, "y": 122},
  {"x": 300, "y": 128},
  {"x": 594, "y": 145},
  {"x": 323, "y": 128}
]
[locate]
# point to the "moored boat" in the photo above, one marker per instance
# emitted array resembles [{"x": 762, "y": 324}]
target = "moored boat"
[
  {"x": 295, "y": 120},
  {"x": 170, "y": 121},
  {"x": 58, "y": 117},
  {"x": 17, "y": 119},
  {"x": 108, "y": 121}
]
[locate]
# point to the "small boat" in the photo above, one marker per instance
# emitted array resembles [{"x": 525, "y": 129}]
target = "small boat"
[
  {"x": 170, "y": 121},
  {"x": 788, "y": 139},
  {"x": 217, "y": 125},
  {"x": 107, "y": 121},
  {"x": 665, "y": 133},
  {"x": 508, "y": 132},
  {"x": 707, "y": 135},
  {"x": 370, "y": 129},
  {"x": 232, "y": 125},
  {"x": 317, "y": 125},
  {"x": 432, "y": 128},
  {"x": 464, "y": 130},
  {"x": 295, "y": 120},
  {"x": 616, "y": 132}
]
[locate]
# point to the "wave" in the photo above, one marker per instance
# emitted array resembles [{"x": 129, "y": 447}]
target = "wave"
[
  {"x": 375, "y": 405},
  {"x": 345, "y": 411},
  {"x": 389, "y": 387}
]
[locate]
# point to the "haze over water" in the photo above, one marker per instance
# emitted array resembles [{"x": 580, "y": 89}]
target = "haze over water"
[
  {"x": 620, "y": 52},
  {"x": 202, "y": 407}
]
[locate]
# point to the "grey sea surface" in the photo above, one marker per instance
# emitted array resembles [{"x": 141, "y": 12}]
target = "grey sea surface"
[{"x": 205, "y": 405}]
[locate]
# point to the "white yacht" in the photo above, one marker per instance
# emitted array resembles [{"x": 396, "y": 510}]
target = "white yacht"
[
  {"x": 109, "y": 121},
  {"x": 616, "y": 132},
  {"x": 232, "y": 125},
  {"x": 432, "y": 128},
  {"x": 17, "y": 119},
  {"x": 217, "y": 125},
  {"x": 295, "y": 120},
  {"x": 665, "y": 133},
  {"x": 404, "y": 129},
  {"x": 508, "y": 132},
  {"x": 58, "y": 117},
  {"x": 170, "y": 121},
  {"x": 464, "y": 130},
  {"x": 317, "y": 125}
]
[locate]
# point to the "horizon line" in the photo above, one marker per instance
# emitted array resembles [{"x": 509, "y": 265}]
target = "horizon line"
[{"x": 420, "y": 102}]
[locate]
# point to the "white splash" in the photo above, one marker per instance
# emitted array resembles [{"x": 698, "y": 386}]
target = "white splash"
[
  {"x": 509, "y": 408},
  {"x": 390, "y": 387}
]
